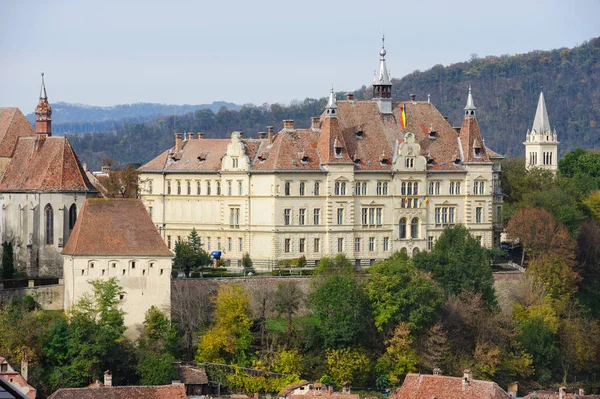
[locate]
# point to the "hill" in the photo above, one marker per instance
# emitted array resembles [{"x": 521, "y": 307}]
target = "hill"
[
  {"x": 81, "y": 118},
  {"x": 505, "y": 88}
]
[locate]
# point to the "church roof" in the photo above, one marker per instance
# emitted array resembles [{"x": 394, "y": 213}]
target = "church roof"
[
  {"x": 426, "y": 386},
  {"x": 541, "y": 123},
  {"x": 13, "y": 124},
  {"x": 115, "y": 226},
  {"x": 44, "y": 163}
]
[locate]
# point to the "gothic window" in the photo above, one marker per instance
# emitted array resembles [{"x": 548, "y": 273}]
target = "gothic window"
[
  {"x": 235, "y": 162},
  {"x": 49, "y": 212},
  {"x": 402, "y": 228},
  {"x": 72, "y": 216},
  {"x": 414, "y": 228},
  {"x": 343, "y": 190}
]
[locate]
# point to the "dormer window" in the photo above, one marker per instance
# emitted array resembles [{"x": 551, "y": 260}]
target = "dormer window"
[
  {"x": 356, "y": 161},
  {"x": 360, "y": 134},
  {"x": 430, "y": 161},
  {"x": 409, "y": 162},
  {"x": 338, "y": 151},
  {"x": 477, "y": 152},
  {"x": 235, "y": 162},
  {"x": 201, "y": 157},
  {"x": 433, "y": 134},
  {"x": 303, "y": 157}
]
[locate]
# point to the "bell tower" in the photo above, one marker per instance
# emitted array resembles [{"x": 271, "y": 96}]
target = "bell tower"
[
  {"x": 43, "y": 113},
  {"x": 541, "y": 143},
  {"x": 382, "y": 86}
]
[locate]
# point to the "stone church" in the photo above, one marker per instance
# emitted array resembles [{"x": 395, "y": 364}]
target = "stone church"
[{"x": 41, "y": 191}]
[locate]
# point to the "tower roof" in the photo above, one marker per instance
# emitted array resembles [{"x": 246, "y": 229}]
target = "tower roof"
[
  {"x": 541, "y": 123},
  {"x": 43, "y": 94},
  {"x": 470, "y": 104},
  {"x": 331, "y": 103},
  {"x": 383, "y": 78}
]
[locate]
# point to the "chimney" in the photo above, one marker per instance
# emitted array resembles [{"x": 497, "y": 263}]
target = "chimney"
[
  {"x": 241, "y": 135},
  {"x": 315, "y": 123},
  {"x": 413, "y": 97},
  {"x": 107, "y": 378},
  {"x": 581, "y": 392},
  {"x": 562, "y": 392},
  {"x": 437, "y": 371},
  {"x": 262, "y": 135},
  {"x": 350, "y": 96},
  {"x": 330, "y": 390},
  {"x": 24, "y": 365},
  {"x": 105, "y": 169},
  {"x": 288, "y": 124},
  {"x": 468, "y": 375},
  {"x": 178, "y": 142},
  {"x": 512, "y": 390},
  {"x": 191, "y": 136},
  {"x": 270, "y": 133},
  {"x": 465, "y": 383}
]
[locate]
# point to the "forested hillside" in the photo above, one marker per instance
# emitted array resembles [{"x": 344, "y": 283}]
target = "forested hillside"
[{"x": 505, "y": 89}]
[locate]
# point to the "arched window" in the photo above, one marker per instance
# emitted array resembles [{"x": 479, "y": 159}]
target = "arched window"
[
  {"x": 402, "y": 230},
  {"x": 49, "y": 224},
  {"x": 404, "y": 251},
  {"x": 414, "y": 228},
  {"x": 415, "y": 251},
  {"x": 72, "y": 216}
]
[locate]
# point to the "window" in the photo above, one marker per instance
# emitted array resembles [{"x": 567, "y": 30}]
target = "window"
[
  {"x": 234, "y": 162},
  {"x": 302, "y": 184},
  {"x": 478, "y": 214},
  {"x": 336, "y": 186},
  {"x": 451, "y": 216},
  {"x": 357, "y": 188},
  {"x": 218, "y": 188},
  {"x": 189, "y": 188},
  {"x": 410, "y": 162},
  {"x": 168, "y": 186},
  {"x": 317, "y": 216},
  {"x": 382, "y": 187},
  {"x": 169, "y": 242},
  {"x": 229, "y": 244},
  {"x": 479, "y": 239},
  {"x": 301, "y": 216},
  {"x": 301, "y": 242},
  {"x": 385, "y": 188},
  {"x": 207, "y": 188},
  {"x": 454, "y": 188},
  {"x": 234, "y": 217},
  {"x": 340, "y": 216},
  {"x": 478, "y": 187},
  {"x": 208, "y": 243},
  {"x": 386, "y": 244},
  {"x": 379, "y": 188},
  {"x": 402, "y": 228},
  {"x": 445, "y": 215},
  {"x": 150, "y": 211},
  {"x": 343, "y": 189},
  {"x": 430, "y": 243},
  {"x": 316, "y": 244},
  {"x": 414, "y": 228},
  {"x": 287, "y": 213},
  {"x": 198, "y": 188},
  {"x": 451, "y": 191},
  {"x": 457, "y": 188},
  {"x": 49, "y": 212},
  {"x": 218, "y": 243},
  {"x": 150, "y": 187},
  {"x": 240, "y": 244},
  {"x": 434, "y": 188},
  {"x": 286, "y": 245},
  {"x": 73, "y": 216},
  {"x": 498, "y": 213},
  {"x": 372, "y": 216},
  {"x": 340, "y": 246},
  {"x": 371, "y": 244},
  {"x": 178, "y": 187},
  {"x": 229, "y": 187},
  {"x": 415, "y": 251},
  {"x": 378, "y": 216},
  {"x": 287, "y": 188},
  {"x": 365, "y": 216},
  {"x": 132, "y": 264},
  {"x": 317, "y": 186},
  {"x": 240, "y": 187},
  {"x": 357, "y": 244}
]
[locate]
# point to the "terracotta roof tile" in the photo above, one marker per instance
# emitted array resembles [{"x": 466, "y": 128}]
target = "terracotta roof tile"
[
  {"x": 555, "y": 395},
  {"x": 132, "y": 392},
  {"x": 13, "y": 124},
  {"x": 115, "y": 226},
  {"x": 471, "y": 140},
  {"x": 422, "y": 386},
  {"x": 290, "y": 150},
  {"x": 44, "y": 164},
  {"x": 192, "y": 375}
]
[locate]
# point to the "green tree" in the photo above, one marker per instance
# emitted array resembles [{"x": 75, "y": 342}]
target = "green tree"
[
  {"x": 400, "y": 357},
  {"x": 337, "y": 265},
  {"x": 247, "y": 264},
  {"x": 8, "y": 267},
  {"x": 538, "y": 339},
  {"x": 400, "y": 293},
  {"x": 459, "y": 263},
  {"x": 156, "y": 368},
  {"x": 287, "y": 298},
  {"x": 229, "y": 339},
  {"x": 348, "y": 365}
]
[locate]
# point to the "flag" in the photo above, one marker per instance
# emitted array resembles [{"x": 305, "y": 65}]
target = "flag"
[
  {"x": 403, "y": 117},
  {"x": 426, "y": 199},
  {"x": 406, "y": 201}
]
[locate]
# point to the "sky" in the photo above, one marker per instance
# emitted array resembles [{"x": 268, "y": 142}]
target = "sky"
[{"x": 193, "y": 52}]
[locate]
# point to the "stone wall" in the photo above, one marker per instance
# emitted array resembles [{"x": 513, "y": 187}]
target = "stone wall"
[{"x": 50, "y": 297}]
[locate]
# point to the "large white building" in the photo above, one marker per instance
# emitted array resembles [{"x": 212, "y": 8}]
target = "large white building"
[
  {"x": 366, "y": 179},
  {"x": 541, "y": 143}
]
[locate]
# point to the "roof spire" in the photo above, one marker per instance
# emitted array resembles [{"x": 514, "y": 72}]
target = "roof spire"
[
  {"x": 43, "y": 94},
  {"x": 541, "y": 123},
  {"x": 470, "y": 107},
  {"x": 383, "y": 78},
  {"x": 331, "y": 108}
]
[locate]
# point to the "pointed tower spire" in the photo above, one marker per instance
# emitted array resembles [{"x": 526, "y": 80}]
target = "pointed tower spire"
[
  {"x": 43, "y": 113},
  {"x": 541, "y": 123},
  {"x": 331, "y": 108},
  {"x": 382, "y": 85},
  {"x": 470, "y": 107}
]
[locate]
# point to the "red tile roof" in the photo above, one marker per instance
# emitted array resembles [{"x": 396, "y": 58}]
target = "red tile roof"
[
  {"x": 425, "y": 386},
  {"x": 13, "y": 125},
  {"x": 192, "y": 375},
  {"x": 44, "y": 164},
  {"x": 115, "y": 226},
  {"x": 132, "y": 392},
  {"x": 555, "y": 395},
  {"x": 367, "y": 138}
]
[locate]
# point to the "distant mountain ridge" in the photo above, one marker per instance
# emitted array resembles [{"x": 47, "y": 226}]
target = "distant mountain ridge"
[
  {"x": 82, "y": 118},
  {"x": 505, "y": 89}
]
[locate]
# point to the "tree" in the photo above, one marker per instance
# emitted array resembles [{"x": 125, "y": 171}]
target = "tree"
[
  {"x": 400, "y": 357},
  {"x": 538, "y": 339},
  {"x": 157, "y": 345},
  {"x": 342, "y": 308},
  {"x": 400, "y": 293},
  {"x": 539, "y": 234},
  {"x": 588, "y": 259},
  {"x": 459, "y": 263},
  {"x": 288, "y": 297},
  {"x": 189, "y": 254},
  {"x": 247, "y": 264},
  {"x": 8, "y": 267},
  {"x": 348, "y": 365},
  {"x": 123, "y": 183},
  {"x": 593, "y": 203},
  {"x": 337, "y": 265},
  {"x": 555, "y": 276},
  {"x": 229, "y": 339}
]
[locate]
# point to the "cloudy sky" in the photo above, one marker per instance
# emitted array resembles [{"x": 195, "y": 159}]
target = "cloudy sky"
[{"x": 114, "y": 51}]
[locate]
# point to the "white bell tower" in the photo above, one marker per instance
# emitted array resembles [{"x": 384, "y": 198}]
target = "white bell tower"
[{"x": 541, "y": 144}]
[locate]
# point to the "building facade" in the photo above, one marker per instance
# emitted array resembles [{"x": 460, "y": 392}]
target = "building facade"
[
  {"x": 541, "y": 143},
  {"x": 366, "y": 179},
  {"x": 42, "y": 189}
]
